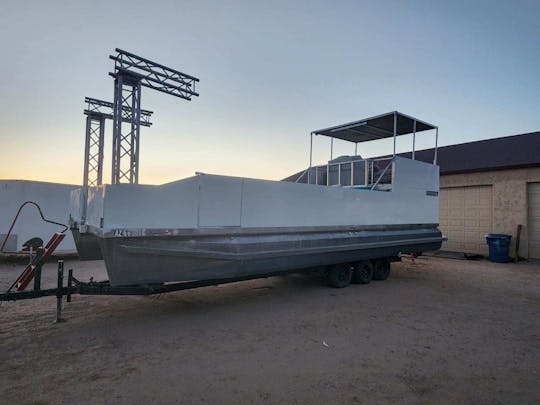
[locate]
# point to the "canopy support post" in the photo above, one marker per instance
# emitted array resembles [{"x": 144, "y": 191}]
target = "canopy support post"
[
  {"x": 331, "y": 148},
  {"x": 310, "y": 157},
  {"x": 356, "y": 149},
  {"x": 413, "y": 138},
  {"x": 395, "y": 128},
  {"x": 436, "y": 142}
]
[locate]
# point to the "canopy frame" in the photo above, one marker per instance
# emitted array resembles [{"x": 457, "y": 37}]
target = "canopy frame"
[{"x": 389, "y": 125}]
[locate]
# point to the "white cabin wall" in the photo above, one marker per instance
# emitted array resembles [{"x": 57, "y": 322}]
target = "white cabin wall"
[
  {"x": 285, "y": 204},
  {"x": 414, "y": 174},
  {"x": 172, "y": 205},
  {"x": 221, "y": 201},
  {"x": 75, "y": 203},
  {"x": 95, "y": 207}
]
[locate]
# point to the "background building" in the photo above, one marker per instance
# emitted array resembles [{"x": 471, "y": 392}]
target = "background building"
[
  {"x": 490, "y": 186},
  {"x": 53, "y": 198}
]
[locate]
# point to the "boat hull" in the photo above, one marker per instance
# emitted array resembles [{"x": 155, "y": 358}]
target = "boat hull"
[
  {"x": 199, "y": 255},
  {"x": 87, "y": 245}
]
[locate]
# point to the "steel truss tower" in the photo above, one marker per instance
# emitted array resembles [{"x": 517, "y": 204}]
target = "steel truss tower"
[
  {"x": 97, "y": 111},
  {"x": 93, "y": 150},
  {"x": 131, "y": 73}
]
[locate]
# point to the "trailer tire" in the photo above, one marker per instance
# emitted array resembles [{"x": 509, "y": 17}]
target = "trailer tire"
[
  {"x": 381, "y": 269},
  {"x": 362, "y": 272},
  {"x": 339, "y": 275}
]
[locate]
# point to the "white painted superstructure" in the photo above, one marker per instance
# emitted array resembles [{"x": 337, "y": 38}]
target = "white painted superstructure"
[{"x": 209, "y": 201}]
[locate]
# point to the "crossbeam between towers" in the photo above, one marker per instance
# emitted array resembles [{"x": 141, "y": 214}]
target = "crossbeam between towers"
[{"x": 105, "y": 108}]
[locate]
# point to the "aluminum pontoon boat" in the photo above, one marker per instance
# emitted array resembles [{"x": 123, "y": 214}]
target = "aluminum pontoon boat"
[{"x": 209, "y": 226}]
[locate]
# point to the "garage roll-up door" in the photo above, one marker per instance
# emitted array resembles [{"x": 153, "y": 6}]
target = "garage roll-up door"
[
  {"x": 465, "y": 216},
  {"x": 533, "y": 215}
]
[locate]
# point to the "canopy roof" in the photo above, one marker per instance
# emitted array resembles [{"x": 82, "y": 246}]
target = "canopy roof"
[{"x": 381, "y": 126}]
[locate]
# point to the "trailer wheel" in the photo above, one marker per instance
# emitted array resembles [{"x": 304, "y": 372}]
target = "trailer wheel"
[
  {"x": 362, "y": 272},
  {"x": 381, "y": 269},
  {"x": 339, "y": 275}
]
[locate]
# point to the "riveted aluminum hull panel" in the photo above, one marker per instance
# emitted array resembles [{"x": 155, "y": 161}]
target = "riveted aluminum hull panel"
[{"x": 199, "y": 256}]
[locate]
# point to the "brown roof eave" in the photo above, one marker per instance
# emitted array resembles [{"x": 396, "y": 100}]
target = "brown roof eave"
[{"x": 489, "y": 169}]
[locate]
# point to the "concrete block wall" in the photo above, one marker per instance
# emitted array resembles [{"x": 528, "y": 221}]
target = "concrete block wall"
[{"x": 509, "y": 190}]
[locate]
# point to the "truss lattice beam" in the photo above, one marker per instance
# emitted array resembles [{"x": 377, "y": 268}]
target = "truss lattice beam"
[
  {"x": 105, "y": 109},
  {"x": 155, "y": 75}
]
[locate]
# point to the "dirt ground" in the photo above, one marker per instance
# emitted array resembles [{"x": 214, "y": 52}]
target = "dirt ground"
[{"x": 437, "y": 331}]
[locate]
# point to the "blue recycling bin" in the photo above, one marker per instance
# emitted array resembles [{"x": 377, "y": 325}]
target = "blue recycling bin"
[{"x": 499, "y": 247}]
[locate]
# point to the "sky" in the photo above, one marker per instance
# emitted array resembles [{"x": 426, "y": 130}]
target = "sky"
[{"x": 270, "y": 72}]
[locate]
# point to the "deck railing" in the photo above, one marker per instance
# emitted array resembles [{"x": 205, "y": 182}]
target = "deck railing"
[{"x": 357, "y": 172}]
